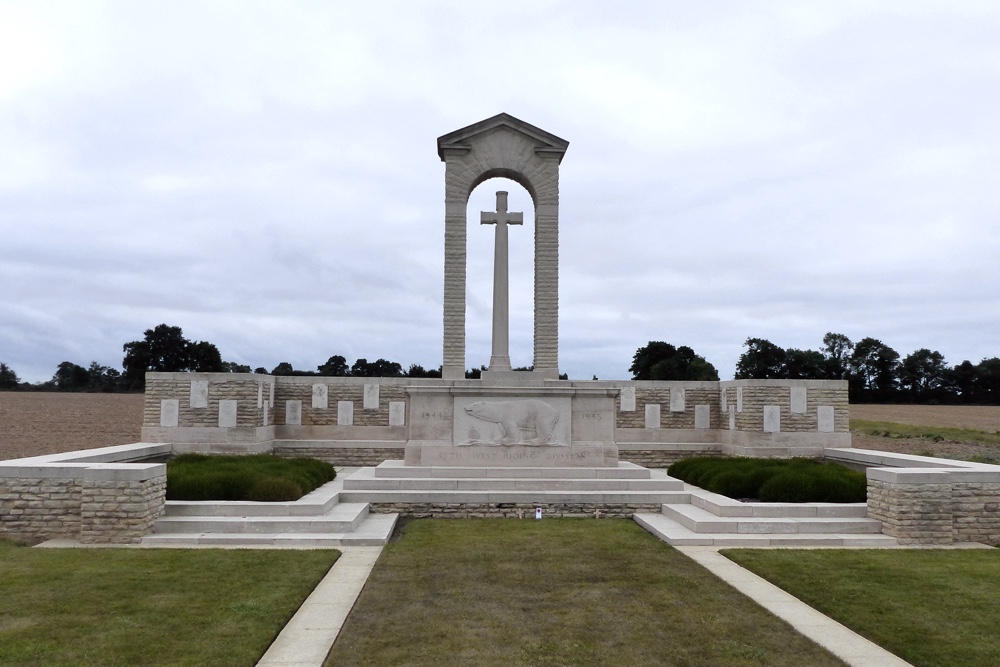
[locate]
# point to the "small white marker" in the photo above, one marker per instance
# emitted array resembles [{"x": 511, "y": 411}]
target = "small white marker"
[{"x": 538, "y": 512}]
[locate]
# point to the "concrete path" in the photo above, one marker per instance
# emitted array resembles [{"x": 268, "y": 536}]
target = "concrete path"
[
  {"x": 846, "y": 644},
  {"x": 307, "y": 638}
]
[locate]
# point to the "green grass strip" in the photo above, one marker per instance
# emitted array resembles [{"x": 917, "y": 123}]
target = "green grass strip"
[
  {"x": 935, "y": 433},
  {"x": 126, "y": 607},
  {"x": 933, "y": 608},
  {"x": 555, "y": 592}
]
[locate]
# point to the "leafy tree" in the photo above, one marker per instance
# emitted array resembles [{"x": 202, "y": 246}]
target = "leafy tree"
[
  {"x": 70, "y": 377},
  {"x": 335, "y": 366},
  {"x": 804, "y": 364},
  {"x": 763, "y": 360},
  {"x": 923, "y": 374},
  {"x": 658, "y": 360},
  {"x": 260, "y": 370},
  {"x": 376, "y": 369},
  {"x": 165, "y": 349},
  {"x": 961, "y": 381},
  {"x": 873, "y": 370},
  {"x": 8, "y": 378},
  {"x": 988, "y": 381},
  {"x": 284, "y": 368},
  {"x": 837, "y": 350},
  {"x": 418, "y": 371},
  {"x": 233, "y": 367},
  {"x": 475, "y": 373}
]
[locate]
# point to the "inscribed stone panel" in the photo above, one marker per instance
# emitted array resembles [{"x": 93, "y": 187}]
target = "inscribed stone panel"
[
  {"x": 627, "y": 399},
  {"x": 702, "y": 416},
  {"x": 371, "y": 397},
  {"x": 723, "y": 400},
  {"x": 652, "y": 415},
  {"x": 293, "y": 413},
  {"x": 265, "y": 415},
  {"x": 320, "y": 397},
  {"x": 677, "y": 399},
  {"x": 169, "y": 412},
  {"x": 345, "y": 413},
  {"x": 227, "y": 414},
  {"x": 799, "y": 400},
  {"x": 199, "y": 394},
  {"x": 397, "y": 413},
  {"x": 772, "y": 419},
  {"x": 739, "y": 399},
  {"x": 824, "y": 415},
  {"x": 732, "y": 417},
  {"x": 260, "y": 395},
  {"x": 270, "y": 400}
]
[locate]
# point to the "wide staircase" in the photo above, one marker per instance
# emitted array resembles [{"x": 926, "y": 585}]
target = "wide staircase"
[{"x": 318, "y": 519}]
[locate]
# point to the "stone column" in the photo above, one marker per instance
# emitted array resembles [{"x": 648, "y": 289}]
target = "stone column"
[
  {"x": 547, "y": 287},
  {"x": 454, "y": 290}
]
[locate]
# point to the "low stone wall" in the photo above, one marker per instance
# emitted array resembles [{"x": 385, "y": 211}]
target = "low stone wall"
[
  {"x": 513, "y": 510},
  {"x": 662, "y": 458},
  {"x": 84, "y": 496},
  {"x": 927, "y": 500},
  {"x": 348, "y": 457}
]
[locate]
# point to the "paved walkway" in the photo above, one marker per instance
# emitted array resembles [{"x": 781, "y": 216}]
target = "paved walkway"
[
  {"x": 307, "y": 638},
  {"x": 846, "y": 644}
]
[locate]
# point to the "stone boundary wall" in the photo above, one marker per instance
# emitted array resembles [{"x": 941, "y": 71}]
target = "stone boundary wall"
[
  {"x": 251, "y": 392},
  {"x": 663, "y": 458},
  {"x": 348, "y": 457},
  {"x": 513, "y": 510},
  {"x": 113, "y": 503},
  {"x": 931, "y": 501}
]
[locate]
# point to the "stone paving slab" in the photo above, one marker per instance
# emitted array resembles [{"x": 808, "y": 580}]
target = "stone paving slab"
[
  {"x": 844, "y": 643},
  {"x": 306, "y": 639}
]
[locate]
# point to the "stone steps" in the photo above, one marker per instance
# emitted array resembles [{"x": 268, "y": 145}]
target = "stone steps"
[
  {"x": 342, "y": 518},
  {"x": 375, "y": 530},
  {"x": 699, "y": 520},
  {"x": 624, "y": 470},
  {"x": 674, "y": 533}
]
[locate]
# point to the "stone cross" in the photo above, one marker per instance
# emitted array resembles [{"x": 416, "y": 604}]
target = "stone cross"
[{"x": 500, "y": 359}]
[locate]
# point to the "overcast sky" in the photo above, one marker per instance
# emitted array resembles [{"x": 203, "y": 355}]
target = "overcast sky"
[{"x": 265, "y": 176}]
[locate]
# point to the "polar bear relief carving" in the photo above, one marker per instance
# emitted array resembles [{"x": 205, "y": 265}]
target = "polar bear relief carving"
[{"x": 516, "y": 419}]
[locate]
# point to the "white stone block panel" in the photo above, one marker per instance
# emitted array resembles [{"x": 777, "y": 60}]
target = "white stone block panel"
[
  {"x": 702, "y": 416},
  {"x": 270, "y": 400},
  {"x": 772, "y": 419},
  {"x": 199, "y": 394},
  {"x": 627, "y": 399},
  {"x": 798, "y": 400},
  {"x": 345, "y": 413},
  {"x": 732, "y": 417},
  {"x": 170, "y": 409},
  {"x": 652, "y": 415},
  {"x": 265, "y": 415},
  {"x": 293, "y": 413},
  {"x": 371, "y": 397},
  {"x": 676, "y": 399},
  {"x": 824, "y": 414},
  {"x": 397, "y": 413},
  {"x": 320, "y": 397},
  {"x": 260, "y": 396},
  {"x": 739, "y": 399},
  {"x": 227, "y": 414},
  {"x": 723, "y": 400}
]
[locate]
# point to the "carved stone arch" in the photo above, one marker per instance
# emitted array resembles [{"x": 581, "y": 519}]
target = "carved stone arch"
[{"x": 507, "y": 147}]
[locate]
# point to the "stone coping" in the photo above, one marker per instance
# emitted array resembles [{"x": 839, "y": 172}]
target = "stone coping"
[
  {"x": 909, "y": 469},
  {"x": 101, "y": 464}
]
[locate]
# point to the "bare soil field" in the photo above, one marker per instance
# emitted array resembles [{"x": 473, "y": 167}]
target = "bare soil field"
[
  {"x": 36, "y": 423},
  {"x": 980, "y": 418}
]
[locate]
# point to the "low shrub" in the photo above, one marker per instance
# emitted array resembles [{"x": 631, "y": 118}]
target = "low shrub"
[
  {"x": 795, "y": 480},
  {"x": 259, "y": 477}
]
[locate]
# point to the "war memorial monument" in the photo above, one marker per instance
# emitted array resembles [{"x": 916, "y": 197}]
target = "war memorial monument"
[{"x": 502, "y": 445}]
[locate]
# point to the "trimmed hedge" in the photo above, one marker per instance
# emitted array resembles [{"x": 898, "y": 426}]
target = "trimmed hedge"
[
  {"x": 795, "y": 480},
  {"x": 260, "y": 477}
]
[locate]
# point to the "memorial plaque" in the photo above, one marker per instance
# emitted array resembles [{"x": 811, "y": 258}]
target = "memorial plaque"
[
  {"x": 702, "y": 416},
  {"x": 677, "y": 399},
  {"x": 371, "y": 397},
  {"x": 798, "y": 400},
  {"x": 345, "y": 413},
  {"x": 824, "y": 415},
  {"x": 320, "y": 397},
  {"x": 227, "y": 414},
  {"x": 772, "y": 419},
  {"x": 489, "y": 421},
  {"x": 293, "y": 413},
  {"x": 270, "y": 400},
  {"x": 169, "y": 412},
  {"x": 652, "y": 415},
  {"x": 739, "y": 399},
  {"x": 627, "y": 399},
  {"x": 732, "y": 417},
  {"x": 265, "y": 415},
  {"x": 397, "y": 413},
  {"x": 724, "y": 400},
  {"x": 199, "y": 394},
  {"x": 260, "y": 395}
]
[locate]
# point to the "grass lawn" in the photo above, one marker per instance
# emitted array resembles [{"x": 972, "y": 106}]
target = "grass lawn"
[
  {"x": 555, "y": 592},
  {"x": 933, "y": 608},
  {"x": 126, "y": 607}
]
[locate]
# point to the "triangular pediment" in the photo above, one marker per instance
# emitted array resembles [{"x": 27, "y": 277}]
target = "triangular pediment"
[{"x": 461, "y": 139}]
